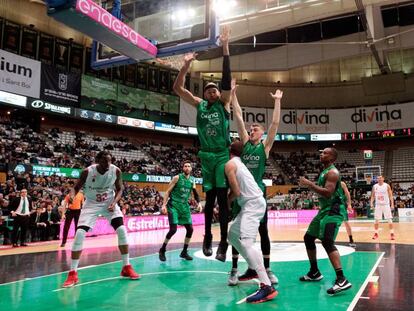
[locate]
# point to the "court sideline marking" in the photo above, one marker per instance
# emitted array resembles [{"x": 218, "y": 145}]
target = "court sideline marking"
[
  {"x": 142, "y": 274},
  {"x": 364, "y": 285}
]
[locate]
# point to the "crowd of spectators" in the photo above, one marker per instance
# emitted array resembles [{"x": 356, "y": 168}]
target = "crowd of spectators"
[{"x": 301, "y": 163}]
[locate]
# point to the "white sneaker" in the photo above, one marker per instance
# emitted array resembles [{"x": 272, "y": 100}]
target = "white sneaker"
[
  {"x": 273, "y": 278},
  {"x": 233, "y": 277},
  {"x": 339, "y": 286}
]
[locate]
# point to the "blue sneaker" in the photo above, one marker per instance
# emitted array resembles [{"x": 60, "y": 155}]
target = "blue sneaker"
[{"x": 265, "y": 293}]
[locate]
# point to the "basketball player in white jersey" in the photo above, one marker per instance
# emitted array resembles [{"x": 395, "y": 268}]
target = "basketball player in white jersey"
[
  {"x": 102, "y": 184},
  {"x": 384, "y": 203},
  {"x": 244, "y": 228}
]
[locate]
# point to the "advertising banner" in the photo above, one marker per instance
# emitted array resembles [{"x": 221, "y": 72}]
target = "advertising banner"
[
  {"x": 96, "y": 116},
  {"x": 11, "y": 37},
  {"x": 135, "y": 122},
  {"x": 58, "y": 171},
  {"x": 19, "y": 75},
  {"x": 40, "y": 105},
  {"x": 60, "y": 87},
  {"x": 29, "y": 42},
  {"x": 13, "y": 99}
]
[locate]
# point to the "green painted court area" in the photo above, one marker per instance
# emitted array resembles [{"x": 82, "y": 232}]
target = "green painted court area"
[{"x": 184, "y": 285}]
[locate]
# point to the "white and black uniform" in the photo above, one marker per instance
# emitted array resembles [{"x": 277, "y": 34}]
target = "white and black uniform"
[
  {"x": 251, "y": 201},
  {"x": 244, "y": 229},
  {"x": 382, "y": 202},
  {"x": 99, "y": 190}
]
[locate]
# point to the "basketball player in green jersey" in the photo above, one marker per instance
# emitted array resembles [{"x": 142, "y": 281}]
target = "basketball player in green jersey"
[
  {"x": 213, "y": 114},
  {"x": 326, "y": 223},
  {"x": 254, "y": 156},
  {"x": 176, "y": 204},
  {"x": 348, "y": 203}
]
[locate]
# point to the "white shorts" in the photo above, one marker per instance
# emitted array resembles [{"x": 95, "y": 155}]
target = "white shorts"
[
  {"x": 382, "y": 209},
  {"x": 246, "y": 224},
  {"x": 90, "y": 212}
]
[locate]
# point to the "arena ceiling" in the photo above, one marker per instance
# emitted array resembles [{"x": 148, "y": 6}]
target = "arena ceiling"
[{"x": 297, "y": 41}]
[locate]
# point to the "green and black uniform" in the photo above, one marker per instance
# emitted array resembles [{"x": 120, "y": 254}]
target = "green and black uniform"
[
  {"x": 178, "y": 208},
  {"x": 213, "y": 129},
  {"x": 254, "y": 157},
  {"x": 332, "y": 210}
]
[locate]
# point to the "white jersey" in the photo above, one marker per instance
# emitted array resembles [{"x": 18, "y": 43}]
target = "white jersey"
[
  {"x": 100, "y": 189},
  {"x": 248, "y": 186},
  {"x": 381, "y": 195}
]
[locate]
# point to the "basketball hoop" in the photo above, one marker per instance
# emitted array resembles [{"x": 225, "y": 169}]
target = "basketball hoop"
[{"x": 174, "y": 61}]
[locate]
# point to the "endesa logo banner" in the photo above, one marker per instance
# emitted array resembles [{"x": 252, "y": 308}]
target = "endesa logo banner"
[{"x": 105, "y": 18}]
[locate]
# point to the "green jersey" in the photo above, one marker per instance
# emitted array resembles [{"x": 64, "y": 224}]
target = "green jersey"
[
  {"x": 182, "y": 189},
  {"x": 254, "y": 157},
  {"x": 213, "y": 126},
  {"x": 337, "y": 197}
]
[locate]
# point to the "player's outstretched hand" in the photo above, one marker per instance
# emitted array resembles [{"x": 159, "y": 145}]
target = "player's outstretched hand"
[
  {"x": 225, "y": 35},
  {"x": 303, "y": 182},
  {"x": 277, "y": 95},
  {"x": 164, "y": 210},
  {"x": 189, "y": 57}
]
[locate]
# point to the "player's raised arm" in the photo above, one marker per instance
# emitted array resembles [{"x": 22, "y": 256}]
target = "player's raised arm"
[
  {"x": 225, "y": 96},
  {"x": 271, "y": 132},
  {"x": 241, "y": 128},
  {"x": 179, "y": 87}
]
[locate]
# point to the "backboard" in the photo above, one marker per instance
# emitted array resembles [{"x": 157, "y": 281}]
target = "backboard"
[{"x": 174, "y": 26}]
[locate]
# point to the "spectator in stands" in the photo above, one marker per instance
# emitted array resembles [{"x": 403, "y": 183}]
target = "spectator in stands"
[
  {"x": 52, "y": 221},
  {"x": 37, "y": 225}
]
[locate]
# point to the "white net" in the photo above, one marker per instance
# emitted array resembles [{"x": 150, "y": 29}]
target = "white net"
[
  {"x": 368, "y": 173},
  {"x": 173, "y": 62}
]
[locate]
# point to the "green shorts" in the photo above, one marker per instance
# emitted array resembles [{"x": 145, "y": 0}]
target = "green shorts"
[
  {"x": 212, "y": 169},
  {"x": 179, "y": 214},
  {"x": 346, "y": 217},
  {"x": 317, "y": 226}
]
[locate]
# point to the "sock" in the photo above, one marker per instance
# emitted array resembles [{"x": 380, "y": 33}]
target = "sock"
[
  {"x": 266, "y": 261},
  {"x": 74, "y": 264},
  {"x": 164, "y": 245},
  {"x": 392, "y": 231},
  {"x": 376, "y": 231},
  {"x": 339, "y": 273},
  {"x": 314, "y": 265},
  {"x": 125, "y": 259},
  {"x": 186, "y": 242},
  {"x": 235, "y": 260},
  {"x": 351, "y": 240}
]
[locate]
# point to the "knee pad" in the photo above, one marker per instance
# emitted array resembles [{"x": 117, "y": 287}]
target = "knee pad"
[
  {"x": 117, "y": 222},
  {"x": 122, "y": 235},
  {"x": 309, "y": 241},
  {"x": 79, "y": 237},
  {"x": 328, "y": 245}
]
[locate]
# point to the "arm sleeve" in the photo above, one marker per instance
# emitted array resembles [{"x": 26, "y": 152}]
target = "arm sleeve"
[{"x": 226, "y": 77}]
